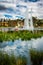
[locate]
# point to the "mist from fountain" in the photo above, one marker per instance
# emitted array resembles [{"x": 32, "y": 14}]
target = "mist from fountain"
[
  {"x": 26, "y": 21},
  {"x": 28, "y": 25}
]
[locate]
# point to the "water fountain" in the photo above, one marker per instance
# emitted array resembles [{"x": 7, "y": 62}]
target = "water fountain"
[
  {"x": 31, "y": 21},
  {"x": 28, "y": 25},
  {"x": 26, "y": 21}
]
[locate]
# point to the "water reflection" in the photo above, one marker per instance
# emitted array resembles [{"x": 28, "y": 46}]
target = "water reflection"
[{"x": 21, "y": 47}]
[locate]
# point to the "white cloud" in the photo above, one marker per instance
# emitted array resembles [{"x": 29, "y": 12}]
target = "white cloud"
[{"x": 37, "y": 7}]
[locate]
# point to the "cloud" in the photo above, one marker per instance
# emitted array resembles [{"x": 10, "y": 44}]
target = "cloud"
[
  {"x": 2, "y": 7},
  {"x": 17, "y": 8}
]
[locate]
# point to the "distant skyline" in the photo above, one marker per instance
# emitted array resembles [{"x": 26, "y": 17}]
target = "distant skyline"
[{"x": 13, "y": 9}]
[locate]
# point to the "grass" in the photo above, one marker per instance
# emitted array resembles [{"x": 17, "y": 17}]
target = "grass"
[
  {"x": 6, "y": 59},
  {"x": 24, "y": 35},
  {"x": 36, "y": 58}
]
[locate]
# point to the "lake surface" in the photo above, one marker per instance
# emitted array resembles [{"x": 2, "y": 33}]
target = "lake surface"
[{"x": 19, "y": 47}]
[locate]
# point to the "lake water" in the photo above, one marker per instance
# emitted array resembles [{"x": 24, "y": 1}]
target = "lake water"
[{"x": 19, "y": 47}]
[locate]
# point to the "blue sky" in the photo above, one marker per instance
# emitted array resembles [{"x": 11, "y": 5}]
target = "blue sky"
[{"x": 14, "y": 9}]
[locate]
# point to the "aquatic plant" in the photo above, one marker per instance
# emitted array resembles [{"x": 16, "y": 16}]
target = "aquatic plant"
[
  {"x": 36, "y": 57},
  {"x": 24, "y": 35},
  {"x": 6, "y": 59}
]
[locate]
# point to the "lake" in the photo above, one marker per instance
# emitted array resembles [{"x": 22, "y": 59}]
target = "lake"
[
  {"x": 22, "y": 48},
  {"x": 19, "y": 47}
]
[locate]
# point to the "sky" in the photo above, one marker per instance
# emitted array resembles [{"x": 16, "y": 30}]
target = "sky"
[{"x": 14, "y": 9}]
